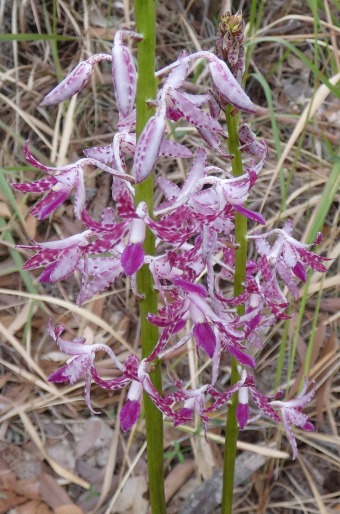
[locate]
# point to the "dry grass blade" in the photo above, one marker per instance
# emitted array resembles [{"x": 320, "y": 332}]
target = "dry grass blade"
[
  {"x": 62, "y": 472},
  {"x": 309, "y": 111},
  {"x": 69, "y": 306},
  {"x": 318, "y": 499}
]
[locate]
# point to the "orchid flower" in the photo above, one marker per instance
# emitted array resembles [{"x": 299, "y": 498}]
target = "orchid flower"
[
  {"x": 59, "y": 258},
  {"x": 81, "y": 362},
  {"x": 287, "y": 256},
  {"x": 291, "y": 412},
  {"x": 61, "y": 181}
]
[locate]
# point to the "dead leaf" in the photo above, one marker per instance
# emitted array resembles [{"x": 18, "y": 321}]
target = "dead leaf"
[
  {"x": 31, "y": 507},
  {"x": 71, "y": 508},
  {"x": 131, "y": 499},
  {"x": 56, "y": 497},
  {"x": 23, "y": 464},
  {"x": 178, "y": 477},
  {"x": 323, "y": 390}
]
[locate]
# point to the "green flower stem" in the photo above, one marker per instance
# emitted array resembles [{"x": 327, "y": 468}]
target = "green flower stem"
[
  {"x": 240, "y": 274},
  {"x": 145, "y": 13}
]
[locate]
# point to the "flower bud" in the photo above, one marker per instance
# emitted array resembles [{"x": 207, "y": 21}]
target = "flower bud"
[{"x": 72, "y": 84}]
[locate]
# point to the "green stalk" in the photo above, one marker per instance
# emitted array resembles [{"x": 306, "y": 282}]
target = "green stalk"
[
  {"x": 240, "y": 274},
  {"x": 145, "y": 13}
]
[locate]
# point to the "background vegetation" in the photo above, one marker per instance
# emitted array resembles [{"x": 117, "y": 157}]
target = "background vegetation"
[{"x": 54, "y": 456}]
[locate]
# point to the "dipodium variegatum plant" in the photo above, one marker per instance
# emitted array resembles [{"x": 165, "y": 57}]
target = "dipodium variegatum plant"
[{"x": 180, "y": 253}]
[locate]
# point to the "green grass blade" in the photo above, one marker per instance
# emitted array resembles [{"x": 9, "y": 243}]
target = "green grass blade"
[{"x": 319, "y": 75}]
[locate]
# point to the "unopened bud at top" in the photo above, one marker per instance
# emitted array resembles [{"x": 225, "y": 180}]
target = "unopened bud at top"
[{"x": 229, "y": 44}]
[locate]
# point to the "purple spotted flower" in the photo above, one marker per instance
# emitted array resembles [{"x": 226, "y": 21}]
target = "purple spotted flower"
[
  {"x": 81, "y": 363},
  {"x": 60, "y": 183},
  {"x": 292, "y": 415}
]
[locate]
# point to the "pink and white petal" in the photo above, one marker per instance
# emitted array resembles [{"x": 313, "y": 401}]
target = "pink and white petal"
[
  {"x": 168, "y": 188},
  {"x": 67, "y": 242},
  {"x": 197, "y": 100},
  {"x": 177, "y": 76},
  {"x": 290, "y": 435},
  {"x": 289, "y": 255},
  {"x": 102, "y": 154},
  {"x": 312, "y": 260},
  {"x": 148, "y": 146},
  {"x": 127, "y": 123},
  {"x": 100, "y": 283},
  {"x": 38, "y": 186},
  {"x": 216, "y": 358},
  {"x": 41, "y": 259},
  {"x": 214, "y": 142},
  {"x": 288, "y": 279},
  {"x": 172, "y": 149},
  {"x": 228, "y": 87},
  {"x": 192, "y": 114},
  {"x": 123, "y": 74},
  {"x": 72, "y": 84},
  {"x": 33, "y": 161},
  {"x": 60, "y": 375},
  {"x": 262, "y": 245},
  {"x": 66, "y": 264},
  {"x": 80, "y": 196},
  {"x": 50, "y": 202},
  {"x": 87, "y": 391},
  {"x": 73, "y": 370},
  {"x": 196, "y": 172}
]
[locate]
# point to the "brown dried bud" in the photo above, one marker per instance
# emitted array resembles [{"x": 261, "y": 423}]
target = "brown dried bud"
[{"x": 229, "y": 43}]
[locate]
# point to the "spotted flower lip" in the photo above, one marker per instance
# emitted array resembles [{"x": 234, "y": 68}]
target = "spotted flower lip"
[{"x": 131, "y": 409}]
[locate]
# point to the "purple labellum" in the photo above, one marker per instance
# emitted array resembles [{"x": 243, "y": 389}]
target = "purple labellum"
[
  {"x": 252, "y": 215},
  {"x": 242, "y": 414},
  {"x": 241, "y": 357},
  {"x": 132, "y": 258},
  {"x": 191, "y": 288},
  {"x": 129, "y": 414},
  {"x": 300, "y": 272},
  {"x": 205, "y": 338}
]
